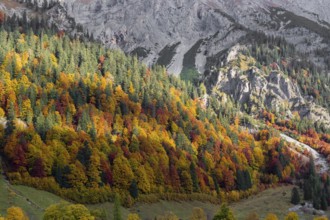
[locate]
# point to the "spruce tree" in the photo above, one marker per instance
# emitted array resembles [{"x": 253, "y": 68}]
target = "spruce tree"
[
  {"x": 240, "y": 180},
  {"x": 308, "y": 192},
  {"x": 324, "y": 203},
  {"x": 247, "y": 179},
  {"x": 10, "y": 126},
  {"x": 316, "y": 202},
  {"x": 133, "y": 189},
  {"x": 312, "y": 171},
  {"x": 84, "y": 154},
  {"x": 194, "y": 177},
  {"x": 317, "y": 193},
  {"x": 295, "y": 198}
]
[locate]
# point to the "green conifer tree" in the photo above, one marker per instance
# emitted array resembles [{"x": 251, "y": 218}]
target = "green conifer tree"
[{"x": 295, "y": 198}]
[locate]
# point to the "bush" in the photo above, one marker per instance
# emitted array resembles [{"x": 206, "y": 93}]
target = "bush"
[
  {"x": 224, "y": 213},
  {"x": 198, "y": 214}
]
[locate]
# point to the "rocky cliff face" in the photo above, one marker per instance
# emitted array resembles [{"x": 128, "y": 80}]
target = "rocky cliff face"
[
  {"x": 183, "y": 34},
  {"x": 255, "y": 89}
]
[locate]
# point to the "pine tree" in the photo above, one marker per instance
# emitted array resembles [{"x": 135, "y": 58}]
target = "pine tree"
[
  {"x": 194, "y": 177},
  {"x": 324, "y": 203},
  {"x": 133, "y": 189},
  {"x": 307, "y": 190},
  {"x": 243, "y": 180},
  {"x": 316, "y": 202},
  {"x": 312, "y": 171},
  {"x": 247, "y": 179},
  {"x": 84, "y": 154},
  {"x": 10, "y": 126},
  {"x": 295, "y": 198},
  {"x": 317, "y": 193},
  {"x": 240, "y": 180}
]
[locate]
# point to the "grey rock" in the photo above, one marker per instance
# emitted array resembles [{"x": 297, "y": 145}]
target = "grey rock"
[
  {"x": 257, "y": 90},
  {"x": 204, "y": 28}
]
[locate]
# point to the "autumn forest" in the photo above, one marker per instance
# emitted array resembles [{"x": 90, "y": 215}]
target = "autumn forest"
[{"x": 88, "y": 123}]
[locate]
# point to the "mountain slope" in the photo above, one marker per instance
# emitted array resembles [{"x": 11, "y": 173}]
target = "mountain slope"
[
  {"x": 209, "y": 26},
  {"x": 191, "y": 37},
  {"x": 218, "y": 24},
  {"x": 266, "y": 86},
  {"x": 85, "y": 122}
]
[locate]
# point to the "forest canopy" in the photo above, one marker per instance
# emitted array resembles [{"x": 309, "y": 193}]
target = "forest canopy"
[{"x": 85, "y": 122}]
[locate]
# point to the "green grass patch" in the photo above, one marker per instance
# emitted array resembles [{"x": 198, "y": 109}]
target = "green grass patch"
[
  {"x": 31, "y": 200},
  {"x": 149, "y": 211},
  {"x": 34, "y": 201},
  {"x": 182, "y": 209},
  {"x": 108, "y": 208},
  {"x": 40, "y": 198},
  {"x": 9, "y": 197},
  {"x": 275, "y": 201}
]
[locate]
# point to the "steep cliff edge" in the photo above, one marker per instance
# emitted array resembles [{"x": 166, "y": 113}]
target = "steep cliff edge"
[{"x": 255, "y": 89}]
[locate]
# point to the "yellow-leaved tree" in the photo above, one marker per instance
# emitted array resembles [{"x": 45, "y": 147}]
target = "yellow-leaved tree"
[
  {"x": 143, "y": 181},
  {"x": 133, "y": 217},
  {"x": 292, "y": 216},
  {"x": 271, "y": 216},
  {"x": 198, "y": 214},
  {"x": 122, "y": 173},
  {"x": 67, "y": 211},
  {"x": 15, "y": 213}
]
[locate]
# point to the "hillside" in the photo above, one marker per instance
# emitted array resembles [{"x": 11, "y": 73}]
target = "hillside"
[
  {"x": 78, "y": 115},
  {"x": 258, "y": 76},
  {"x": 94, "y": 114},
  {"x": 293, "y": 35},
  {"x": 34, "y": 202},
  {"x": 160, "y": 33}
]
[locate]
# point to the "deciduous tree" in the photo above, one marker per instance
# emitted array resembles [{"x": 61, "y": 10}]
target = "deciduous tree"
[
  {"x": 271, "y": 216},
  {"x": 292, "y": 216},
  {"x": 15, "y": 213},
  {"x": 224, "y": 213},
  {"x": 133, "y": 217},
  {"x": 198, "y": 214}
]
